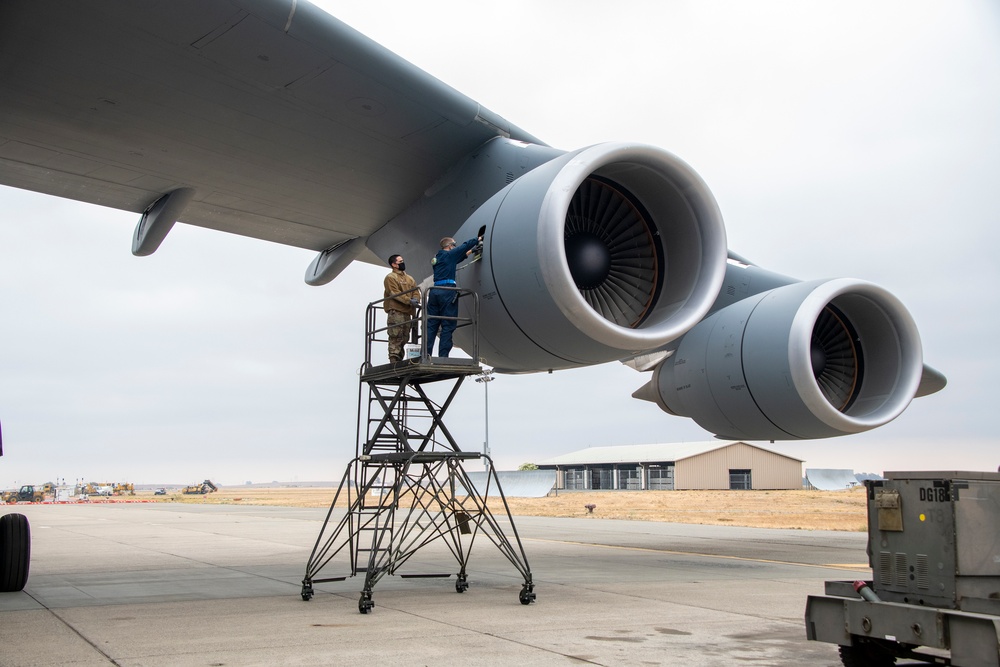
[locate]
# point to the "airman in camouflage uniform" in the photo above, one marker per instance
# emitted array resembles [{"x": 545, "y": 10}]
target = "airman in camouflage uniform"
[{"x": 401, "y": 308}]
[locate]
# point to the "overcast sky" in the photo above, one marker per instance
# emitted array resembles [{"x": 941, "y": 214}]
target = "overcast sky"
[{"x": 851, "y": 139}]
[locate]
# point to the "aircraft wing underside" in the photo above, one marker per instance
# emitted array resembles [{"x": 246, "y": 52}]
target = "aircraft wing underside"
[
  {"x": 270, "y": 119},
  {"x": 288, "y": 125}
]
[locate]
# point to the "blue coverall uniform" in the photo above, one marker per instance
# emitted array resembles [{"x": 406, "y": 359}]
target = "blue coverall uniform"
[{"x": 444, "y": 303}]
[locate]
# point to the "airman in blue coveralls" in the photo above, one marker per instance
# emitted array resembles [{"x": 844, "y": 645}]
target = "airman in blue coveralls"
[{"x": 443, "y": 302}]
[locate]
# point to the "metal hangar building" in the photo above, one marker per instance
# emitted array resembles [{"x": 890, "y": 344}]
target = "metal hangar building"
[{"x": 679, "y": 466}]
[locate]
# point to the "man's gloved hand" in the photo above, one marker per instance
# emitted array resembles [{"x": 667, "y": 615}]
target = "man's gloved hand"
[{"x": 414, "y": 302}]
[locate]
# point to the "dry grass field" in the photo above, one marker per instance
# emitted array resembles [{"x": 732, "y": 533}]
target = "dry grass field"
[{"x": 806, "y": 510}]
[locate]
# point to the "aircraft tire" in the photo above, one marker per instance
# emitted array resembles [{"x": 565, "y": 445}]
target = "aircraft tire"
[{"x": 15, "y": 552}]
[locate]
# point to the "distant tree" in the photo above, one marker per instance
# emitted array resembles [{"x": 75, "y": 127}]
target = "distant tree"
[{"x": 527, "y": 466}]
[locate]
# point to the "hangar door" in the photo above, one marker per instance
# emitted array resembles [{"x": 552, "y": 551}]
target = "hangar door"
[{"x": 660, "y": 477}]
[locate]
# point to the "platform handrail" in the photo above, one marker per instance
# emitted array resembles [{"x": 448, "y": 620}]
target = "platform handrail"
[
  {"x": 472, "y": 320},
  {"x": 418, "y": 334},
  {"x": 372, "y": 329}
]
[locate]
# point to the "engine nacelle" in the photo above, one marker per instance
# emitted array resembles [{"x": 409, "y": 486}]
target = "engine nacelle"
[
  {"x": 808, "y": 360},
  {"x": 593, "y": 256}
]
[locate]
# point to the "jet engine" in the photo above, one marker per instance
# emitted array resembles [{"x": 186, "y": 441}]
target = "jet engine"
[
  {"x": 807, "y": 360},
  {"x": 591, "y": 257}
]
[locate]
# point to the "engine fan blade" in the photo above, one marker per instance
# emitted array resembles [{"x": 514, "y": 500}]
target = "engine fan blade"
[
  {"x": 612, "y": 253},
  {"x": 836, "y": 359}
]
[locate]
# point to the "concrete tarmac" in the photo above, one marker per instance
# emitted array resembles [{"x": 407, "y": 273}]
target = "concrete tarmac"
[{"x": 178, "y": 584}]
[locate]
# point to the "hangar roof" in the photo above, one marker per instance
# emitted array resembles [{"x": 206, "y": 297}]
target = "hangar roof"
[{"x": 656, "y": 453}]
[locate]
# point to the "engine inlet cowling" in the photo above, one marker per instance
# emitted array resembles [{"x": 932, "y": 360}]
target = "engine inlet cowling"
[
  {"x": 808, "y": 360},
  {"x": 593, "y": 256}
]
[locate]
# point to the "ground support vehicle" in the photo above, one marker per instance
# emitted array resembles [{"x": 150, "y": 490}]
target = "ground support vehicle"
[
  {"x": 934, "y": 550},
  {"x": 26, "y": 494},
  {"x": 122, "y": 489},
  {"x": 203, "y": 488},
  {"x": 95, "y": 489}
]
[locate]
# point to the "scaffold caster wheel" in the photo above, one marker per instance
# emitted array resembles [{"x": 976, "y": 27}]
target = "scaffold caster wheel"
[
  {"x": 365, "y": 604},
  {"x": 307, "y": 591},
  {"x": 462, "y": 584},
  {"x": 527, "y": 595}
]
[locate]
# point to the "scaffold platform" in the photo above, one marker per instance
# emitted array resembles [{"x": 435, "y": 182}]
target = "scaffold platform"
[{"x": 407, "y": 486}]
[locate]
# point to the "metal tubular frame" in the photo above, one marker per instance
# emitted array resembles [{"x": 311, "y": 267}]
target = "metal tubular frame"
[
  {"x": 377, "y": 334},
  {"x": 407, "y": 486}
]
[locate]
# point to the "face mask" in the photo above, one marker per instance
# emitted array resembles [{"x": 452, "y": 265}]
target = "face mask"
[{"x": 401, "y": 266}]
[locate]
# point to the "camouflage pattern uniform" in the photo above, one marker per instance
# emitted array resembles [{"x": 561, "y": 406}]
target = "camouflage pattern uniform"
[{"x": 399, "y": 311}]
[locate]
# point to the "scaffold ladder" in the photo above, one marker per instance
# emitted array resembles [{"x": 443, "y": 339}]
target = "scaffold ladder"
[{"x": 407, "y": 486}]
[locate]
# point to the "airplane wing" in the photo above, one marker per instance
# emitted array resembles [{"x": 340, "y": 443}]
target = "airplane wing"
[
  {"x": 286, "y": 124},
  {"x": 271, "y": 119}
]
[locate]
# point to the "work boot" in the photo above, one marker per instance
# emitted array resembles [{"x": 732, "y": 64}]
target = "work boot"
[{"x": 395, "y": 360}]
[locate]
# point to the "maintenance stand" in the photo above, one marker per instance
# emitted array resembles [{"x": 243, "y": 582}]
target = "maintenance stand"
[
  {"x": 934, "y": 550},
  {"x": 407, "y": 485}
]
